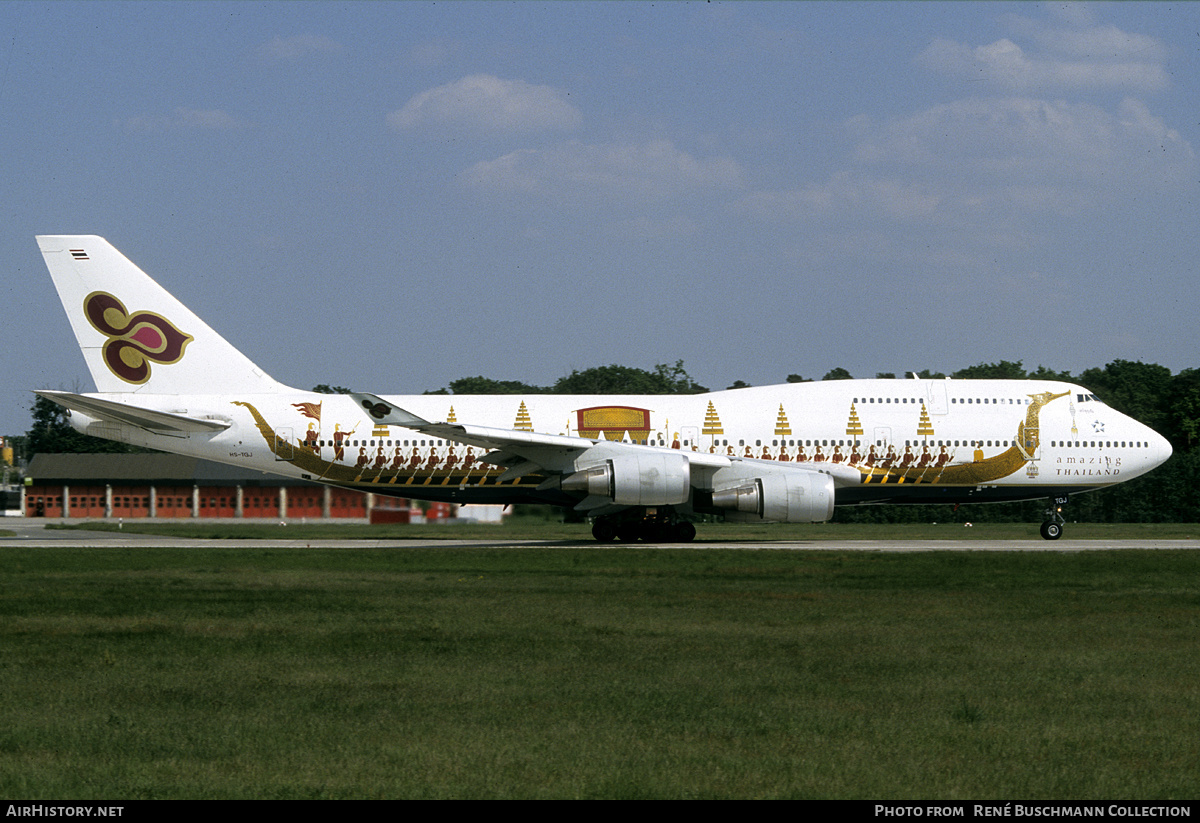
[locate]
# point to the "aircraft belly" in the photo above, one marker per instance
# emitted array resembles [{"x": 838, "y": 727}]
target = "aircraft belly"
[
  {"x": 475, "y": 495},
  {"x": 917, "y": 495}
]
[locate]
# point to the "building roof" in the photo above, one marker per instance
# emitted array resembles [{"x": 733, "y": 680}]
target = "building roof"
[{"x": 146, "y": 468}]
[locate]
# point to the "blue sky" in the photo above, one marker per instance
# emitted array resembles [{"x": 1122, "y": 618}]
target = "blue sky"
[{"x": 390, "y": 196}]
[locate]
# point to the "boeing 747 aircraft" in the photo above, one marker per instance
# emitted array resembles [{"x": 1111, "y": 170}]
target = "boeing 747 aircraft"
[{"x": 641, "y": 467}]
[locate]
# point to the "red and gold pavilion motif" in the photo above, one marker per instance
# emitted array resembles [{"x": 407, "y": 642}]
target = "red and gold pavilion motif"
[{"x": 613, "y": 422}]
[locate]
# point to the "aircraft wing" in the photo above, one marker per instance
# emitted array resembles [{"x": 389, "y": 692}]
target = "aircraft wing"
[
  {"x": 523, "y": 452},
  {"x": 126, "y": 414},
  {"x": 612, "y": 475}
]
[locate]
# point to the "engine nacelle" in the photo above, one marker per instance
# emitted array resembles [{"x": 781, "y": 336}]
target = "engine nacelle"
[
  {"x": 636, "y": 479},
  {"x": 777, "y": 497}
]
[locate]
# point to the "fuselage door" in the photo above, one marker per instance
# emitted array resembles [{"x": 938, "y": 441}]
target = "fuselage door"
[
  {"x": 690, "y": 436},
  {"x": 283, "y": 443},
  {"x": 936, "y": 394},
  {"x": 1030, "y": 444}
]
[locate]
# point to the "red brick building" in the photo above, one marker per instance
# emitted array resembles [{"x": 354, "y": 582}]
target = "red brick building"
[{"x": 168, "y": 485}]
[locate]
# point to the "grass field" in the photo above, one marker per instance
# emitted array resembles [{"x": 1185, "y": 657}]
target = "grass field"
[{"x": 598, "y": 672}]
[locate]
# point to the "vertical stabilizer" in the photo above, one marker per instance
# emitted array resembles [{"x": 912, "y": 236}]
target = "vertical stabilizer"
[{"x": 135, "y": 336}]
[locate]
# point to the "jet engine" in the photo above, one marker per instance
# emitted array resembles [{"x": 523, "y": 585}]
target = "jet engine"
[
  {"x": 777, "y": 497},
  {"x": 636, "y": 479}
]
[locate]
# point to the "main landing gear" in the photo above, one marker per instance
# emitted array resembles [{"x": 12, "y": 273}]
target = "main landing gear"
[
  {"x": 648, "y": 527},
  {"x": 1052, "y": 528}
]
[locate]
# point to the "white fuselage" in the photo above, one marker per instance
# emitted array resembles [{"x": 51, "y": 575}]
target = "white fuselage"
[{"x": 881, "y": 440}]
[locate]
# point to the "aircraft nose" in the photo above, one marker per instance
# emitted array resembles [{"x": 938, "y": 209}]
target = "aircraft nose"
[{"x": 1160, "y": 449}]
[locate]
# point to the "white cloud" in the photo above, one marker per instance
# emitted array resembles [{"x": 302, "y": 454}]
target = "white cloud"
[
  {"x": 653, "y": 170},
  {"x": 1075, "y": 55},
  {"x": 844, "y": 194},
  {"x": 300, "y": 45},
  {"x": 989, "y": 168},
  {"x": 1029, "y": 139},
  {"x": 1005, "y": 64},
  {"x": 1078, "y": 35},
  {"x": 181, "y": 119},
  {"x": 482, "y": 102}
]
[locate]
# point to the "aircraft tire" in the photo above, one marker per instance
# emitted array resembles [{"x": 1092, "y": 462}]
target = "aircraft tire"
[
  {"x": 659, "y": 533},
  {"x": 629, "y": 533},
  {"x": 1051, "y": 530},
  {"x": 684, "y": 532},
  {"x": 604, "y": 531}
]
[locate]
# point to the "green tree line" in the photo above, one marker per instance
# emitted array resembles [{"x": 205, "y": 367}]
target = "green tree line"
[{"x": 614, "y": 379}]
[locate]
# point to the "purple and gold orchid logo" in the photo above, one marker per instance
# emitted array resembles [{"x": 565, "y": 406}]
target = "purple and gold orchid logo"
[{"x": 133, "y": 340}]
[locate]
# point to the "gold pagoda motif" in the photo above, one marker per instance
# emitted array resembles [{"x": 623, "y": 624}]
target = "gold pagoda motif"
[
  {"x": 854, "y": 425},
  {"x": 712, "y": 423},
  {"x": 782, "y": 427},
  {"x": 523, "y": 423},
  {"x": 925, "y": 428},
  {"x": 450, "y": 417}
]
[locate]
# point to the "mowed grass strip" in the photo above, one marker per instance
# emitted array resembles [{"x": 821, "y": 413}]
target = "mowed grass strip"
[{"x": 598, "y": 672}]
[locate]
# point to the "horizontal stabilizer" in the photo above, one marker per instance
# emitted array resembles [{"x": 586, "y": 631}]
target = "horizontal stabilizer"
[
  {"x": 384, "y": 413},
  {"x": 127, "y": 415}
]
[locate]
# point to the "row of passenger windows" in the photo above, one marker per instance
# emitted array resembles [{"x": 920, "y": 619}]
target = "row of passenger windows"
[
  {"x": 998, "y": 401},
  {"x": 1095, "y": 444},
  {"x": 787, "y": 443},
  {"x": 330, "y": 443},
  {"x": 1068, "y": 443},
  {"x": 1110, "y": 444}
]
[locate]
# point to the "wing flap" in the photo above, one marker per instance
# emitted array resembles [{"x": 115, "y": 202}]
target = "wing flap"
[{"x": 509, "y": 441}]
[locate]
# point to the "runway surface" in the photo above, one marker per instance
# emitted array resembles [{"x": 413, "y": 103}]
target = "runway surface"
[{"x": 34, "y": 535}]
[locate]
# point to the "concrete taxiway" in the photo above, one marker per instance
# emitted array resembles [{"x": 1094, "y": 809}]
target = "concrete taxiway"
[{"x": 33, "y": 534}]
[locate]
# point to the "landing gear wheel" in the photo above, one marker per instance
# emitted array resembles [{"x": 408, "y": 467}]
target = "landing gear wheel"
[
  {"x": 628, "y": 532},
  {"x": 1052, "y": 526},
  {"x": 604, "y": 531},
  {"x": 659, "y": 533},
  {"x": 684, "y": 532},
  {"x": 1051, "y": 530}
]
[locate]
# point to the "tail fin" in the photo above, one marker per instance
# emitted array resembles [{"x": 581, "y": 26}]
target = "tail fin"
[{"x": 135, "y": 336}]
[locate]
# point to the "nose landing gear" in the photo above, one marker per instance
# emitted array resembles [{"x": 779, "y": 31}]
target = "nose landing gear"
[{"x": 1052, "y": 528}]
